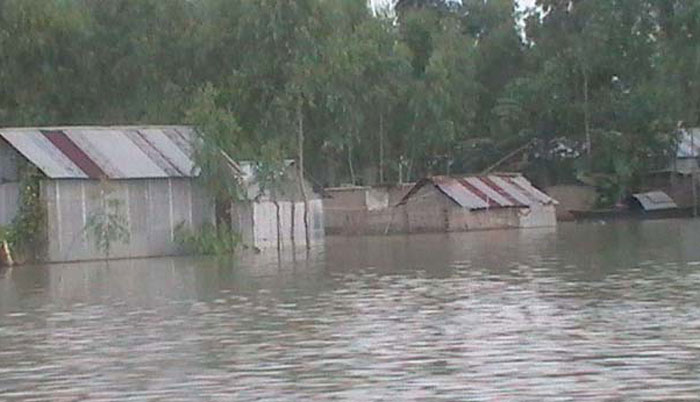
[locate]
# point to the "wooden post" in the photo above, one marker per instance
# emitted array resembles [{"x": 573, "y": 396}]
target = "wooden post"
[
  {"x": 586, "y": 117},
  {"x": 279, "y": 226},
  {"x": 300, "y": 171},
  {"x": 693, "y": 175},
  {"x": 695, "y": 192},
  {"x": 381, "y": 148}
]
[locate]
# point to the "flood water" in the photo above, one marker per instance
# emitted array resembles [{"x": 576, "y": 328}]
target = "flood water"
[{"x": 583, "y": 312}]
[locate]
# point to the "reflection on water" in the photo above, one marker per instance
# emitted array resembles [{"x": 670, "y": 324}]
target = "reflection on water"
[{"x": 584, "y": 312}]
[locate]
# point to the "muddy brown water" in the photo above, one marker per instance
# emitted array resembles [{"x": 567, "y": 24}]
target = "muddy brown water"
[{"x": 583, "y": 312}]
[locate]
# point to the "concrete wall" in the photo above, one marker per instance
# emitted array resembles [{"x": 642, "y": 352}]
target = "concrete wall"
[
  {"x": 363, "y": 210},
  {"x": 537, "y": 216},
  {"x": 572, "y": 197},
  {"x": 428, "y": 210},
  {"x": 153, "y": 208},
  {"x": 461, "y": 219},
  {"x": 397, "y": 192},
  {"x": 345, "y": 210}
]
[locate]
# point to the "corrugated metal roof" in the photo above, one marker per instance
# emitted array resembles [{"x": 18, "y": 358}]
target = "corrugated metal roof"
[
  {"x": 455, "y": 190},
  {"x": 655, "y": 200},
  {"x": 112, "y": 152},
  {"x": 491, "y": 191}
]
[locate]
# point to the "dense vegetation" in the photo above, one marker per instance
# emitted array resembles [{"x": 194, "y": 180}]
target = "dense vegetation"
[{"x": 432, "y": 86}]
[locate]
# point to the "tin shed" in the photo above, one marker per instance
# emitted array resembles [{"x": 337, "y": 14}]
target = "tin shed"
[
  {"x": 453, "y": 204},
  {"x": 653, "y": 201},
  {"x": 149, "y": 170}
]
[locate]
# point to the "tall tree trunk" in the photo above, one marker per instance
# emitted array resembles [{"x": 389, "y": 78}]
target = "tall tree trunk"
[
  {"x": 350, "y": 166},
  {"x": 300, "y": 170},
  {"x": 586, "y": 116},
  {"x": 293, "y": 223},
  {"x": 381, "y": 148},
  {"x": 279, "y": 226}
]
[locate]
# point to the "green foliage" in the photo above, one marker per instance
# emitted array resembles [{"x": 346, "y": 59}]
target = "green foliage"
[
  {"x": 373, "y": 95},
  {"x": 207, "y": 240},
  {"x": 26, "y": 235},
  {"x": 271, "y": 172},
  {"x": 220, "y": 138},
  {"x": 107, "y": 224}
]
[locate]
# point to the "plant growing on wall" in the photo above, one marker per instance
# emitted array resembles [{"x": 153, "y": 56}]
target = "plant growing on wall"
[
  {"x": 207, "y": 240},
  {"x": 107, "y": 224},
  {"x": 26, "y": 236}
]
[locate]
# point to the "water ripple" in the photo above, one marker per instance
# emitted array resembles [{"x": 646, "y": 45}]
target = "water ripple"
[{"x": 540, "y": 315}]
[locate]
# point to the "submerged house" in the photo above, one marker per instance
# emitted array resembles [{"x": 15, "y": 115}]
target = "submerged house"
[
  {"x": 149, "y": 170},
  {"x": 361, "y": 209},
  {"x": 680, "y": 176},
  {"x": 454, "y": 204},
  {"x": 652, "y": 201}
]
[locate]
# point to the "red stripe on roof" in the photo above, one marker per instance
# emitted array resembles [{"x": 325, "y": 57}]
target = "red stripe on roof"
[
  {"x": 64, "y": 144},
  {"x": 522, "y": 190},
  {"x": 486, "y": 180},
  {"x": 166, "y": 164},
  {"x": 474, "y": 190}
]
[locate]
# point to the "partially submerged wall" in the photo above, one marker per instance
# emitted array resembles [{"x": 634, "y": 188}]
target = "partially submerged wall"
[
  {"x": 265, "y": 224},
  {"x": 428, "y": 210},
  {"x": 345, "y": 210},
  {"x": 462, "y": 220},
  {"x": 572, "y": 197},
  {"x": 537, "y": 216},
  {"x": 363, "y": 210},
  {"x": 153, "y": 208}
]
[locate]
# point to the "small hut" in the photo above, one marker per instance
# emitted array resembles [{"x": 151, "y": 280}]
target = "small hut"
[
  {"x": 150, "y": 172},
  {"x": 454, "y": 204}
]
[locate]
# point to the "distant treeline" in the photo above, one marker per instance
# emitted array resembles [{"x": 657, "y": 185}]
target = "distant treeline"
[{"x": 430, "y": 87}]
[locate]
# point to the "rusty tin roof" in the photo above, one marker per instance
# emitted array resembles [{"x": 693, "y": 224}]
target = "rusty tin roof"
[
  {"x": 483, "y": 192},
  {"x": 124, "y": 152}
]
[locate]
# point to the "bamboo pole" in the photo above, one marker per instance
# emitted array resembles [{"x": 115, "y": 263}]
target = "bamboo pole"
[
  {"x": 300, "y": 170},
  {"x": 381, "y": 148}
]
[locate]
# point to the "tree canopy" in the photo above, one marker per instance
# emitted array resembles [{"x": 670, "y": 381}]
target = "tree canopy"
[{"x": 437, "y": 86}]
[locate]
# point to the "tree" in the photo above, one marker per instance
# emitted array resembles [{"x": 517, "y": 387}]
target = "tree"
[
  {"x": 589, "y": 64},
  {"x": 218, "y": 145},
  {"x": 359, "y": 97},
  {"x": 107, "y": 224}
]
